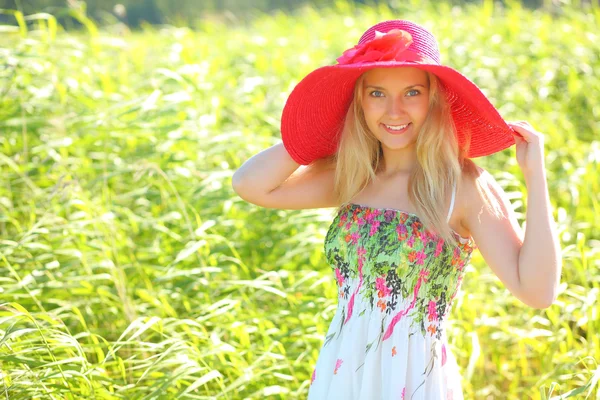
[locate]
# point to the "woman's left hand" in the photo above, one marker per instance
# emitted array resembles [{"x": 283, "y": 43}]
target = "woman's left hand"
[{"x": 530, "y": 147}]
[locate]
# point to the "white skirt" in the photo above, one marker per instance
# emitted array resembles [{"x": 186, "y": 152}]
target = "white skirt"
[{"x": 356, "y": 364}]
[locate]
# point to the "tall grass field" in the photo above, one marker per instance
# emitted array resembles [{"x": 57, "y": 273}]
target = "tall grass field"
[{"x": 129, "y": 269}]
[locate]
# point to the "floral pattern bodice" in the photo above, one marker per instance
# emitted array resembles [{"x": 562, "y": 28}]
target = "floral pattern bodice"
[
  {"x": 396, "y": 283},
  {"x": 396, "y": 265}
]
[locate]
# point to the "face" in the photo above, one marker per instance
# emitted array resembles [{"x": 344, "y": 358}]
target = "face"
[{"x": 395, "y": 103}]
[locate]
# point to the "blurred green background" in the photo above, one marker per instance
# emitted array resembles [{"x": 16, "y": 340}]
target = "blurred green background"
[
  {"x": 129, "y": 269},
  {"x": 188, "y": 12}
]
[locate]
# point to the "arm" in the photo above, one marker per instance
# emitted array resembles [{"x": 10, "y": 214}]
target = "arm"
[
  {"x": 540, "y": 261},
  {"x": 272, "y": 179},
  {"x": 263, "y": 172},
  {"x": 529, "y": 265}
]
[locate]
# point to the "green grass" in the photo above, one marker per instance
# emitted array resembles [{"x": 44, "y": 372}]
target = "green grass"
[{"x": 130, "y": 270}]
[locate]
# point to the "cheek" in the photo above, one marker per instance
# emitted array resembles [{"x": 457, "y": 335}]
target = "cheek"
[
  {"x": 420, "y": 110},
  {"x": 372, "y": 109}
]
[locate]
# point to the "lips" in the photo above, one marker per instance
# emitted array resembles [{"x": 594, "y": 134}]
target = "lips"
[{"x": 395, "y": 131}]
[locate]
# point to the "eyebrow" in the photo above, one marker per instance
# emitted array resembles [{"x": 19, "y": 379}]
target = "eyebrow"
[{"x": 379, "y": 87}]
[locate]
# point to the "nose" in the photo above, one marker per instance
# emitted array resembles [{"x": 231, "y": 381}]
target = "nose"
[{"x": 396, "y": 108}]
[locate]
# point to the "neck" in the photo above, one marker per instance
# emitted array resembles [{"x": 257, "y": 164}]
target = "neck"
[{"x": 398, "y": 161}]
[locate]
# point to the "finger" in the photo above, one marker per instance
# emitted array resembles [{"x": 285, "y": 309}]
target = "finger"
[
  {"x": 522, "y": 127},
  {"x": 517, "y": 123},
  {"x": 525, "y": 124},
  {"x": 522, "y": 124},
  {"x": 518, "y": 135},
  {"x": 519, "y": 139},
  {"x": 517, "y": 128}
]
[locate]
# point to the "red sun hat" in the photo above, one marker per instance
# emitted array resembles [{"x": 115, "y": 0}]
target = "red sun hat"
[{"x": 313, "y": 115}]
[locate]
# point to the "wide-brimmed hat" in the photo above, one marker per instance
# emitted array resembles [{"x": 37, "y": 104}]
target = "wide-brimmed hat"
[{"x": 314, "y": 113}]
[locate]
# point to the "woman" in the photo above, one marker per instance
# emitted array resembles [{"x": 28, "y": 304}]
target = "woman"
[{"x": 387, "y": 136}]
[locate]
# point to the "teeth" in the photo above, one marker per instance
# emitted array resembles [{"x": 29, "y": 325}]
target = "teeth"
[{"x": 396, "y": 127}]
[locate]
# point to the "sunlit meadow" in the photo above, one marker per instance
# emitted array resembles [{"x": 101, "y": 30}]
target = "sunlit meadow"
[{"x": 129, "y": 268}]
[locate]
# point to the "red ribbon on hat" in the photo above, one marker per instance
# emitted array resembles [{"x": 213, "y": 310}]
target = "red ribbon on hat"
[{"x": 383, "y": 47}]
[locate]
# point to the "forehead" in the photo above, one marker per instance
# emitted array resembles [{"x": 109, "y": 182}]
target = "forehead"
[{"x": 395, "y": 76}]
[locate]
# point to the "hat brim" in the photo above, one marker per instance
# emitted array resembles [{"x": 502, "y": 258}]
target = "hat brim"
[{"x": 314, "y": 112}]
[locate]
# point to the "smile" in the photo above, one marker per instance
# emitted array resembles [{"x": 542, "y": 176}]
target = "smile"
[{"x": 396, "y": 128}]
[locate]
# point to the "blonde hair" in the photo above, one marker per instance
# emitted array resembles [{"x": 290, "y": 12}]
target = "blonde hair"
[{"x": 440, "y": 161}]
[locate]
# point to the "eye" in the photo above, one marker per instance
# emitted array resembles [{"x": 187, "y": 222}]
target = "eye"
[
  {"x": 415, "y": 91},
  {"x": 376, "y": 91}
]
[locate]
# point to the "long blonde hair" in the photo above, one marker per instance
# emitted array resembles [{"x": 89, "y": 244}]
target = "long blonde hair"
[{"x": 440, "y": 161}]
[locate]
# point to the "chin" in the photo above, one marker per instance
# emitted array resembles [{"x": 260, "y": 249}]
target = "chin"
[{"x": 398, "y": 145}]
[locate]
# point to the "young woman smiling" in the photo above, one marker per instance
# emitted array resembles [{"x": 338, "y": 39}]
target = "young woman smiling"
[{"x": 387, "y": 136}]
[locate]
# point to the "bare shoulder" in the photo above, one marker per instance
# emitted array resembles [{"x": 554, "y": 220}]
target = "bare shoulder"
[
  {"x": 472, "y": 176},
  {"x": 484, "y": 206},
  {"x": 470, "y": 196}
]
